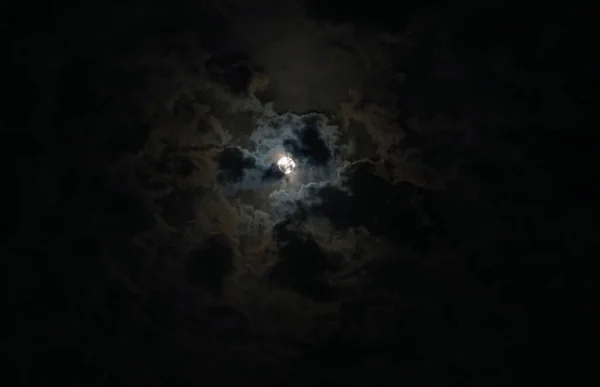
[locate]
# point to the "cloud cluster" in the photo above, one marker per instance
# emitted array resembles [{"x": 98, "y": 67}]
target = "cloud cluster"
[
  {"x": 309, "y": 139},
  {"x": 394, "y": 233},
  {"x": 306, "y": 236}
]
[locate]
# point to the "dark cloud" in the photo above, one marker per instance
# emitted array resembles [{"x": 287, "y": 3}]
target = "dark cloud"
[
  {"x": 310, "y": 135},
  {"x": 362, "y": 199},
  {"x": 172, "y": 164},
  {"x": 296, "y": 204},
  {"x": 375, "y": 14},
  {"x": 239, "y": 170},
  {"x": 178, "y": 206},
  {"x": 234, "y": 70},
  {"x": 272, "y": 172},
  {"x": 302, "y": 265},
  {"x": 207, "y": 266},
  {"x": 234, "y": 164},
  {"x": 308, "y": 143},
  {"x": 285, "y": 205}
]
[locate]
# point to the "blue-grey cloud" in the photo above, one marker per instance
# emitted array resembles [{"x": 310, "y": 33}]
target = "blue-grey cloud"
[{"x": 308, "y": 139}]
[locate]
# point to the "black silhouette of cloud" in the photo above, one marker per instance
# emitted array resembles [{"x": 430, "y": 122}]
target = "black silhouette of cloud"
[
  {"x": 234, "y": 164},
  {"x": 272, "y": 173},
  {"x": 303, "y": 265},
  {"x": 232, "y": 70},
  {"x": 239, "y": 170},
  {"x": 360, "y": 199},
  {"x": 309, "y": 144},
  {"x": 208, "y": 265}
]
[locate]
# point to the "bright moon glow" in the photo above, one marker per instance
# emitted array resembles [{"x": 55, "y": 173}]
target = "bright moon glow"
[{"x": 286, "y": 165}]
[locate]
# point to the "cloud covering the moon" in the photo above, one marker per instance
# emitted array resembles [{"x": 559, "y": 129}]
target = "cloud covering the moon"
[{"x": 308, "y": 138}]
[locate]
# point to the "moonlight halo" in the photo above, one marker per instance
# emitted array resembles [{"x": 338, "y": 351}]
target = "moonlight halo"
[{"x": 286, "y": 165}]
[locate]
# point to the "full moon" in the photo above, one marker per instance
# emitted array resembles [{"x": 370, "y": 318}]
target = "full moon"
[{"x": 286, "y": 165}]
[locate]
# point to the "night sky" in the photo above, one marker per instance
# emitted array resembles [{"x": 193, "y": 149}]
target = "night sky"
[{"x": 438, "y": 230}]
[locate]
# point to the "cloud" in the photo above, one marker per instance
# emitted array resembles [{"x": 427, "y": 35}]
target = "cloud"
[
  {"x": 240, "y": 170},
  {"x": 252, "y": 222},
  {"x": 342, "y": 251},
  {"x": 232, "y": 69},
  {"x": 305, "y": 235},
  {"x": 309, "y": 139},
  {"x": 287, "y": 204},
  {"x": 303, "y": 265},
  {"x": 359, "y": 199},
  {"x": 234, "y": 163},
  {"x": 309, "y": 144},
  {"x": 208, "y": 265}
]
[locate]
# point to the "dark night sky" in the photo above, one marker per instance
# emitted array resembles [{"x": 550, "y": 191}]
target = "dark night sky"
[{"x": 438, "y": 229}]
